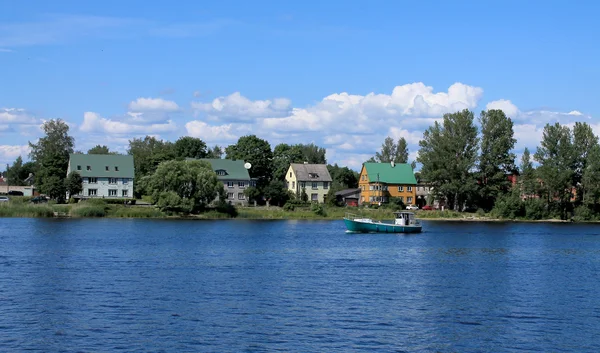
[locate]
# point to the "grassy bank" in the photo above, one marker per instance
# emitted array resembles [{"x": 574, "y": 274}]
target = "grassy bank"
[{"x": 7, "y": 209}]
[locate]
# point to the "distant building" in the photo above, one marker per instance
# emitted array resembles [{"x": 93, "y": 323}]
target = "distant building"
[
  {"x": 348, "y": 197},
  {"x": 234, "y": 176},
  {"x": 313, "y": 178},
  {"x": 104, "y": 175},
  {"x": 380, "y": 181}
]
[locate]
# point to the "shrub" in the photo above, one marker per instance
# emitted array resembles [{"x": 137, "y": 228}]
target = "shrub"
[
  {"x": 509, "y": 206},
  {"x": 288, "y": 206},
  {"x": 88, "y": 211},
  {"x": 228, "y": 209},
  {"x": 535, "y": 209},
  {"x": 583, "y": 213},
  {"x": 73, "y": 200},
  {"x": 318, "y": 209},
  {"x": 480, "y": 212}
]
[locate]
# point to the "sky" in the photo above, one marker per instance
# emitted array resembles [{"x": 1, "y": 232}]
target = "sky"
[{"x": 342, "y": 75}]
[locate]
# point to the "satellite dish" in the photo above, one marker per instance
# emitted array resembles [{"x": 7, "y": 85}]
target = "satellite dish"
[
  {"x": 393, "y": 164},
  {"x": 247, "y": 165}
]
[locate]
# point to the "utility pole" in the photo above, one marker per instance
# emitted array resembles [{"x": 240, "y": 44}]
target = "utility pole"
[{"x": 6, "y": 177}]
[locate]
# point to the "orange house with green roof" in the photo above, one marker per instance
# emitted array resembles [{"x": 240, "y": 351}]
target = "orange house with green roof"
[{"x": 380, "y": 181}]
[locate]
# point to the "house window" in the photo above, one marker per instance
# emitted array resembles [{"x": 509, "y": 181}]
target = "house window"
[
  {"x": 409, "y": 188},
  {"x": 125, "y": 180},
  {"x": 230, "y": 185},
  {"x": 385, "y": 187},
  {"x": 313, "y": 175},
  {"x": 409, "y": 200},
  {"x": 325, "y": 185},
  {"x": 85, "y": 180},
  {"x": 252, "y": 183},
  {"x": 93, "y": 180},
  {"x": 241, "y": 184},
  {"x": 362, "y": 199},
  {"x": 112, "y": 192},
  {"x": 290, "y": 174},
  {"x": 89, "y": 168},
  {"x": 400, "y": 188},
  {"x": 112, "y": 181},
  {"x": 116, "y": 168},
  {"x": 364, "y": 177},
  {"x": 78, "y": 167},
  {"x": 241, "y": 196},
  {"x": 293, "y": 184},
  {"x": 314, "y": 186},
  {"x": 371, "y": 199},
  {"x": 314, "y": 197},
  {"x": 230, "y": 195},
  {"x": 106, "y": 168},
  {"x": 303, "y": 184},
  {"x": 92, "y": 192},
  {"x": 221, "y": 172},
  {"x": 401, "y": 198},
  {"x": 124, "y": 193}
]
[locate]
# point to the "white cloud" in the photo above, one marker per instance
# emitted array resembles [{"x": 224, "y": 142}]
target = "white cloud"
[
  {"x": 153, "y": 104},
  {"x": 506, "y": 106},
  {"x": 575, "y": 112},
  {"x": 208, "y": 133},
  {"x": 94, "y": 123},
  {"x": 16, "y": 116},
  {"x": 411, "y": 137},
  {"x": 8, "y": 153},
  {"x": 236, "y": 107}
]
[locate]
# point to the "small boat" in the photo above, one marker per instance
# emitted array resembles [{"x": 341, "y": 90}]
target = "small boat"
[{"x": 404, "y": 222}]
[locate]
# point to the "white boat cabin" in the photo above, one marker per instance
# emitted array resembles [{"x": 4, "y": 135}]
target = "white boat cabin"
[{"x": 404, "y": 218}]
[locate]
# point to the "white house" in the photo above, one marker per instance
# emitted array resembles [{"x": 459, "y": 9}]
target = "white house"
[{"x": 104, "y": 175}]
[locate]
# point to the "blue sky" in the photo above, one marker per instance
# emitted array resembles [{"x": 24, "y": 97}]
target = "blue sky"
[{"x": 343, "y": 75}]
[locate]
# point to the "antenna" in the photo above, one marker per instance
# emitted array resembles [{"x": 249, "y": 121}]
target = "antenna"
[{"x": 247, "y": 165}]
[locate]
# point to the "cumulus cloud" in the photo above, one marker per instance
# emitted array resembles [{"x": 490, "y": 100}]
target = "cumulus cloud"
[
  {"x": 8, "y": 153},
  {"x": 153, "y": 104},
  {"x": 16, "y": 116},
  {"x": 208, "y": 133},
  {"x": 506, "y": 106},
  {"x": 94, "y": 123},
  {"x": 236, "y": 108}
]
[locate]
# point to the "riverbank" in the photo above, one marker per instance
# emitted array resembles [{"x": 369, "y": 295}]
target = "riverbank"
[{"x": 100, "y": 209}]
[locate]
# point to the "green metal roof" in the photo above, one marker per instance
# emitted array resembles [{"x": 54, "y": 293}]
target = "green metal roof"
[
  {"x": 234, "y": 169},
  {"x": 400, "y": 173},
  {"x": 95, "y": 165}
]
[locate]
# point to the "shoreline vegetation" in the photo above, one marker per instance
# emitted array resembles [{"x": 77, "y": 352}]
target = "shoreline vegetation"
[{"x": 20, "y": 207}]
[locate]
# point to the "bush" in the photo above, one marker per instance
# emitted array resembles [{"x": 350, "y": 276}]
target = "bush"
[
  {"x": 583, "y": 213},
  {"x": 318, "y": 209},
  {"x": 509, "y": 206},
  {"x": 289, "y": 207},
  {"x": 228, "y": 209},
  {"x": 535, "y": 209},
  {"x": 88, "y": 211},
  {"x": 480, "y": 212},
  {"x": 73, "y": 200}
]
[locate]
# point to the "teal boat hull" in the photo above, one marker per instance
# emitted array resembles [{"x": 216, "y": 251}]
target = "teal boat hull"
[{"x": 379, "y": 227}]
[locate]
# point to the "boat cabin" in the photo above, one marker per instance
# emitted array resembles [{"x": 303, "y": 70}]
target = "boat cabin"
[{"x": 404, "y": 218}]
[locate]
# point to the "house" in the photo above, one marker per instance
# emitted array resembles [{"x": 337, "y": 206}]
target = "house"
[
  {"x": 348, "y": 197},
  {"x": 314, "y": 179},
  {"x": 380, "y": 181},
  {"x": 234, "y": 176},
  {"x": 104, "y": 175}
]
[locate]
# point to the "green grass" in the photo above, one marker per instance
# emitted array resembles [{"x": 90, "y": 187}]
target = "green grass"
[
  {"x": 9, "y": 209},
  {"x": 136, "y": 212}
]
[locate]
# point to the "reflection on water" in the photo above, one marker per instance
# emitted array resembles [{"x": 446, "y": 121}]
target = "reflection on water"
[{"x": 231, "y": 286}]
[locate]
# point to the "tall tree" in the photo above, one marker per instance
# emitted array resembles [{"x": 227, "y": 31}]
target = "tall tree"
[
  {"x": 14, "y": 174},
  {"x": 448, "y": 155},
  {"x": 258, "y": 153},
  {"x": 591, "y": 178},
  {"x": 98, "y": 149},
  {"x": 51, "y": 156},
  {"x": 496, "y": 160},
  {"x": 584, "y": 142},
  {"x": 216, "y": 152},
  {"x": 312, "y": 153},
  {"x": 528, "y": 180},
  {"x": 73, "y": 183},
  {"x": 401, "y": 151},
  {"x": 283, "y": 155},
  {"x": 190, "y": 147},
  {"x": 555, "y": 156},
  {"x": 148, "y": 153},
  {"x": 392, "y": 151}
]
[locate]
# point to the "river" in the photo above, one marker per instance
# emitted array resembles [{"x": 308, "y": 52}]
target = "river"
[{"x": 112, "y": 285}]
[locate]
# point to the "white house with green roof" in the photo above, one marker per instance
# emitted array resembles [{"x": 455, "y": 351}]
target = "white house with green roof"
[
  {"x": 234, "y": 176},
  {"x": 104, "y": 175},
  {"x": 380, "y": 181}
]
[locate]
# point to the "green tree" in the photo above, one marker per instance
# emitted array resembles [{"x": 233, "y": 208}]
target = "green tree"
[
  {"x": 528, "y": 180},
  {"x": 283, "y": 156},
  {"x": 51, "y": 157},
  {"x": 584, "y": 141},
  {"x": 496, "y": 160},
  {"x": 147, "y": 154},
  {"x": 73, "y": 183},
  {"x": 392, "y": 151},
  {"x": 312, "y": 153},
  {"x": 252, "y": 194},
  {"x": 448, "y": 153},
  {"x": 100, "y": 150},
  {"x": 215, "y": 153},
  {"x": 258, "y": 153},
  {"x": 184, "y": 186},
  {"x": 190, "y": 147},
  {"x": 14, "y": 174},
  {"x": 342, "y": 177},
  {"x": 555, "y": 156},
  {"x": 591, "y": 179},
  {"x": 277, "y": 193}
]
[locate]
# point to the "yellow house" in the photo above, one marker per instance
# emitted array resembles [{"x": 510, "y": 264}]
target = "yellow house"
[
  {"x": 313, "y": 178},
  {"x": 380, "y": 181}
]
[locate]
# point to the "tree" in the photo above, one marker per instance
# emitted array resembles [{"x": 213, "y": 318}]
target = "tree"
[
  {"x": 342, "y": 177},
  {"x": 312, "y": 153},
  {"x": 283, "y": 156},
  {"x": 100, "y": 150},
  {"x": 496, "y": 160},
  {"x": 51, "y": 157},
  {"x": 14, "y": 174},
  {"x": 584, "y": 141},
  {"x": 555, "y": 156},
  {"x": 215, "y": 153},
  {"x": 528, "y": 179},
  {"x": 184, "y": 186},
  {"x": 591, "y": 178},
  {"x": 258, "y": 153},
  {"x": 392, "y": 152},
  {"x": 277, "y": 193},
  {"x": 190, "y": 147},
  {"x": 448, "y": 153},
  {"x": 74, "y": 183},
  {"x": 147, "y": 154}
]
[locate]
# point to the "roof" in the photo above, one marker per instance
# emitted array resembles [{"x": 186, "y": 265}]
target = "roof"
[
  {"x": 348, "y": 192},
  {"x": 400, "y": 173},
  {"x": 119, "y": 166},
  {"x": 311, "y": 172},
  {"x": 233, "y": 169}
]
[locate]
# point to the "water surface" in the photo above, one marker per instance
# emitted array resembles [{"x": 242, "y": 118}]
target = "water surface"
[{"x": 296, "y": 286}]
